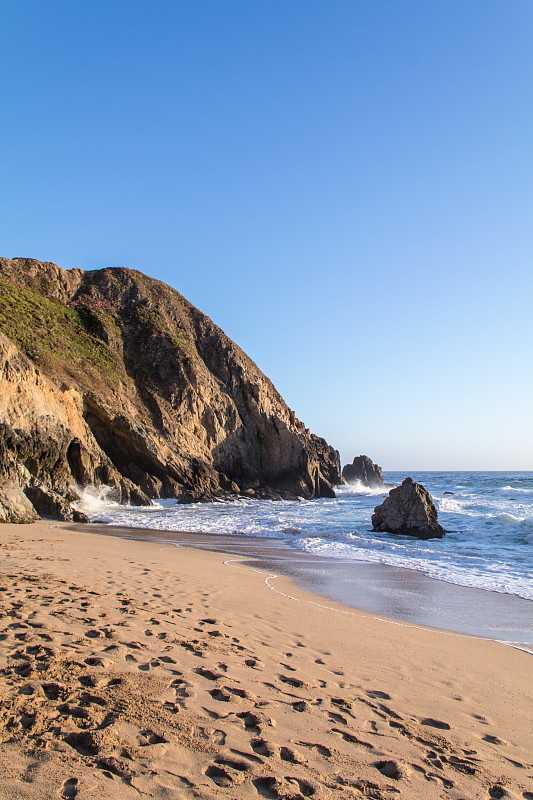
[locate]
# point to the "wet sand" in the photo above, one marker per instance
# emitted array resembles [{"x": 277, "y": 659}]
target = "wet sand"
[
  {"x": 399, "y": 594},
  {"x": 132, "y": 668}
]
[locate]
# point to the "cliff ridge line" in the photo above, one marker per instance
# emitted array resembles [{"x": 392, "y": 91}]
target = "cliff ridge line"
[{"x": 111, "y": 377}]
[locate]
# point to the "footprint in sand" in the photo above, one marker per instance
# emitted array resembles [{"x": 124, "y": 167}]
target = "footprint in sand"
[
  {"x": 296, "y": 683},
  {"x": 173, "y": 708},
  {"x": 167, "y": 659},
  {"x": 493, "y": 739},
  {"x": 181, "y": 690},
  {"x": 134, "y": 645},
  {"x": 300, "y": 706},
  {"x": 320, "y": 748},
  {"x": 69, "y": 790},
  {"x": 350, "y": 737},
  {"x": 148, "y": 665},
  {"x": 292, "y": 756},
  {"x": 208, "y": 674},
  {"x": 24, "y": 670},
  {"x": 251, "y": 721},
  {"x": 262, "y": 748},
  {"x": 377, "y": 693},
  {"x": 227, "y": 771},
  {"x": 84, "y": 743},
  {"x": 218, "y": 737},
  {"x": 53, "y": 691},
  {"x": 242, "y": 693},
  {"x": 342, "y": 703},
  {"x": 434, "y": 723},
  {"x": 220, "y": 695},
  {"x": 96, "y": 661},
  {"x": 214, "y": 714},
  {"x": 391, "y": 769},
  {"x": 434, "y": 759},
  {"x": 337, "y": 718},
  {"x": 148, "y": 737},
  {"x": 464, "y": 765},
  {"x": 287, "y": 787}
]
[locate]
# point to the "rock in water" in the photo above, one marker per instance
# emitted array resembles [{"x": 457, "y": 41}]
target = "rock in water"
[
  {"x": 109, "y": 377},
  {"x": 410, "y": 510},
  {"x": 364, "y": 470}
]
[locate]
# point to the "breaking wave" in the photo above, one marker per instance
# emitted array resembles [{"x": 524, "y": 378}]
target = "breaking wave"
[{"x": 489, "y": 528}]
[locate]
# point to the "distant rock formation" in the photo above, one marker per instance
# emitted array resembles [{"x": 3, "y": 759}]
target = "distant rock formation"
[
  {"x": 364, "y": 470},
  {"x": 109, "y": 377},
  {"x": 410, "y": 510}
]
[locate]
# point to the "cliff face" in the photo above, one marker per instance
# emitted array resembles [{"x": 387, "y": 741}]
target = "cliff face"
[{"x": 111, "y": 377}]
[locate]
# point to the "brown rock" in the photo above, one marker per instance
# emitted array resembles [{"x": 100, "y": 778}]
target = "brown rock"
[
  {"x": 111, "y": 377},
  {"x": 409, "y": 509},
  {"x": 53, "y": 505},
  {"x": 363, "y": 470},
  {"x": 14, "y": 505}
]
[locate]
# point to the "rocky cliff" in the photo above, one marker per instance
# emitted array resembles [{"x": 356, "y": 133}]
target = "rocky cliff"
[{"x": 111, "y": 377}]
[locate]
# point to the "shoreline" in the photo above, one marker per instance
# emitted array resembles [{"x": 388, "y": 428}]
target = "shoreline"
[
  {"x": 128, "y": 668},
  {"x": 399, "y": 594}
]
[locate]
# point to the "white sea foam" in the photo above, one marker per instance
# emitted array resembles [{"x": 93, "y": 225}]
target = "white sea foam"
[
  {"x": 488, "y": 545},
  {"x": 101, "y": 501},
  {"x": 94, "y": 499},
  {"x": 480, "y": 575},
  {"x": 359, "y": 488},
  {"x": 451, "y": 505},
  {"x": 511, "y": 518}
]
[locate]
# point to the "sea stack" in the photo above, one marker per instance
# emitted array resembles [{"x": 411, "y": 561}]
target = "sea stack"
[
  {"x": 363, "y": 470},
  {"x": 409, "y": 509}
]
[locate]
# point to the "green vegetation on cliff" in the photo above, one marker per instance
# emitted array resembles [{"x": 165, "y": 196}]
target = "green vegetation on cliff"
[
  {"x": 54, "y": 335},
  {"x": 160, "y": 403}
]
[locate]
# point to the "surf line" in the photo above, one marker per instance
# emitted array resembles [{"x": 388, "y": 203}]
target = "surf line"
[{"x": 268, "y": 577}]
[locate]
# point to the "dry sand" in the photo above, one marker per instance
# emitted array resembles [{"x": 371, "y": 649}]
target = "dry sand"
[{"x": 132, "y": 670}]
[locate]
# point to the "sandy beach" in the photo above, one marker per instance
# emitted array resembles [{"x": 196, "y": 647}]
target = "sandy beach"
[{"x": 132, "y": 669}]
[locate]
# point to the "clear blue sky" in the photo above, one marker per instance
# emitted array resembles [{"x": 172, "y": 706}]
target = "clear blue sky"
[{"x": 345, "y": 187}]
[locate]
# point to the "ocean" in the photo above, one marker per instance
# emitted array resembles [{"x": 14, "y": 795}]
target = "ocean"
[{"x": 488, "y": 546}]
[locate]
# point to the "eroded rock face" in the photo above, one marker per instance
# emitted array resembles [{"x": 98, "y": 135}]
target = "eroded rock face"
[
  {"x": 42, "y": 430},
  {"x": 409, "y": 509},
  {"x": 363, "y": 470},
  {"x": 14, "y": 505},
  {"x": 111, "y": 377}
]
